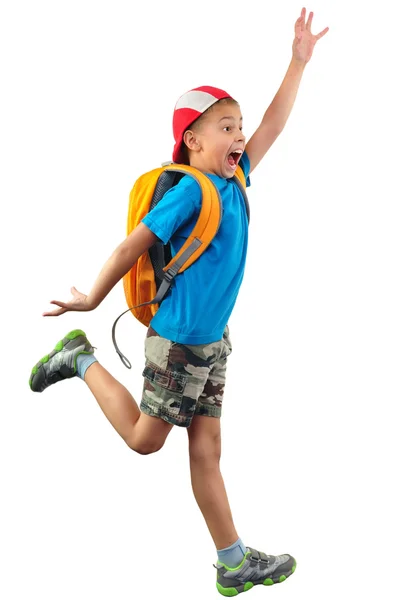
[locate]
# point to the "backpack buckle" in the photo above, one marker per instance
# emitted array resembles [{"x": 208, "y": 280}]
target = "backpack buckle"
[
  {"x": 167, "y": 163},
  {"x": 170, "y": 274}
]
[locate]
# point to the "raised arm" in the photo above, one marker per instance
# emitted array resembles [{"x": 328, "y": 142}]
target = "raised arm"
[
  {"x": 118, "y": 265},
  {"x": 278, "y": 112}
]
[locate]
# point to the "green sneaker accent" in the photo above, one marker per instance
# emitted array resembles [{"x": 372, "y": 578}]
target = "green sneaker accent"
[
  {"x": 34, "y": 370},
  {"x": 248, "y": 586},
  {"x": 226, "y": 591},
  {"x": 45, "y": 359},
  {"x": 59, "y": 346},
  {"x": 294, "y": 567},
  {"x": 75, "y": 333},
  {"x": 234, "y": 568},
  {"x": 282, "y": 578},
  {"x": 268, "y": 581}
]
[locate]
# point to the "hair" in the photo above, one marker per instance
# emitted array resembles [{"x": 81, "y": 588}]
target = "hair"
[{"x": 195, "y": 125}]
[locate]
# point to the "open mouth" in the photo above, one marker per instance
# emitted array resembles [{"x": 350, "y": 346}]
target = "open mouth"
[{"x": 234, "y": 158}]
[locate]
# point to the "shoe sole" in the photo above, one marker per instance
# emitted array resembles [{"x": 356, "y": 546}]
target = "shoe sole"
[
  {"x": 59, "y": 346},
  {"x": 244, "y": 587}
]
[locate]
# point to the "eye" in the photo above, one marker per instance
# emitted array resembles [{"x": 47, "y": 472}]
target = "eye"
[{"x": 228, "y": 128}]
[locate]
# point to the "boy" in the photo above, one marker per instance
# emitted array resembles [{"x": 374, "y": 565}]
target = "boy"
[{"x": 188, "y": 342}]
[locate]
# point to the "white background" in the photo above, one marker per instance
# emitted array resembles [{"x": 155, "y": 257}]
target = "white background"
[{"x": 87, "y": 94}]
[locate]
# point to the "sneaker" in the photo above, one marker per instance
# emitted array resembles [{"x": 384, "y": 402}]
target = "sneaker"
[
  {"x": 256, "y": 568},
  {"x": 61, "y": 362}
]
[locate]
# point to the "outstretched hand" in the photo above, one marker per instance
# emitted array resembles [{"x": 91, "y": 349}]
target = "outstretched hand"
[
  {"x": 305, "y": 40},
  {"x": 79, "y": 302}
]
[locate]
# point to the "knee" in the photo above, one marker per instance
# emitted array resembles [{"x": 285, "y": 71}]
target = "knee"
[
  {"x": 145, "y": 447},
  {"x": 205, "y": 450}
]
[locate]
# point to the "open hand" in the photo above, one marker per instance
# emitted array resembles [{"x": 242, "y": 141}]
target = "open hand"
[
  {"x": 304, "y": 41},
  {"x": 79, "y": 302}
]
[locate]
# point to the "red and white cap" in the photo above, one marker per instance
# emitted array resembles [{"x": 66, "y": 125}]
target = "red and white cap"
[{"x": 189, "y": 107}]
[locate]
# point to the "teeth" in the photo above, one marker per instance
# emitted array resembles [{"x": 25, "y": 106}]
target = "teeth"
[{"x": 238, "y": 151}]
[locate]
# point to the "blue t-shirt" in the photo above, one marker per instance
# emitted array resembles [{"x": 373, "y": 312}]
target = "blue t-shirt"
[{"x": 200, "y": 301}]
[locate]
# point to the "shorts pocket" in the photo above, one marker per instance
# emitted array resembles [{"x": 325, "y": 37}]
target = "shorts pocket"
[{"x": 170, "y": 381}]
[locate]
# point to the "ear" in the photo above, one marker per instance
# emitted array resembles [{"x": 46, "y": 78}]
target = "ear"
[{"x": 191, "y": 141}]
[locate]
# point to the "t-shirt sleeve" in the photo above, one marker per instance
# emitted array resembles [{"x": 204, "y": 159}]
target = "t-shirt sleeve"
[
  {"x": 244, "y": 163},
  {"x": 174, "y": 210}
]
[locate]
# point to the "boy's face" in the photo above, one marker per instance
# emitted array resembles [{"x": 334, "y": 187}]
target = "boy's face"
[{"x": 218, "y": 142}]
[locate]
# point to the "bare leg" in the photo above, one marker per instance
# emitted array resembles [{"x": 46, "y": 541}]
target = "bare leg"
[
  {"x": 207, "y": 481},
  {"x": 142, "y": 433}
]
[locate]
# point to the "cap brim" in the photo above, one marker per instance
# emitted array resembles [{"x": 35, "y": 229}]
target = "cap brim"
[{"x": 178, "y": 154}]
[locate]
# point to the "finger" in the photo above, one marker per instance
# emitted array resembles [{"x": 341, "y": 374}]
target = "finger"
[
  {"x": 322, "y": 33},
  {"x": 75, "y": 292},
  {"x": 77, "y": 295},
  {"x": 55, "y": 313},
  {"x": 309, "y": 22},
  {"x": 303, "y": 14},
  {"x": 297, "y": 26},
  {"x": 62, "y": 304}
]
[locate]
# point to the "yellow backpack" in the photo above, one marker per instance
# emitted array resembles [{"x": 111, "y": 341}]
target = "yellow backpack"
[{"x": 150, "y": 278}]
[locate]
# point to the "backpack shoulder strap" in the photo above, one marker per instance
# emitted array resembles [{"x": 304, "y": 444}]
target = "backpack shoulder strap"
[
  {"x": 240, "y": 180},
  {"x": 206, "y": 226}
]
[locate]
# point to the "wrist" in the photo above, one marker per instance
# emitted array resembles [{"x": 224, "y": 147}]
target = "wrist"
[
  {"x": 298, "y": 64},
  {"x": 92, "y": 302}
]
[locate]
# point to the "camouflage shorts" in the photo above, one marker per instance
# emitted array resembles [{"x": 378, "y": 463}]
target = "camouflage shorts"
[{"x": 181, "y": 381}]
